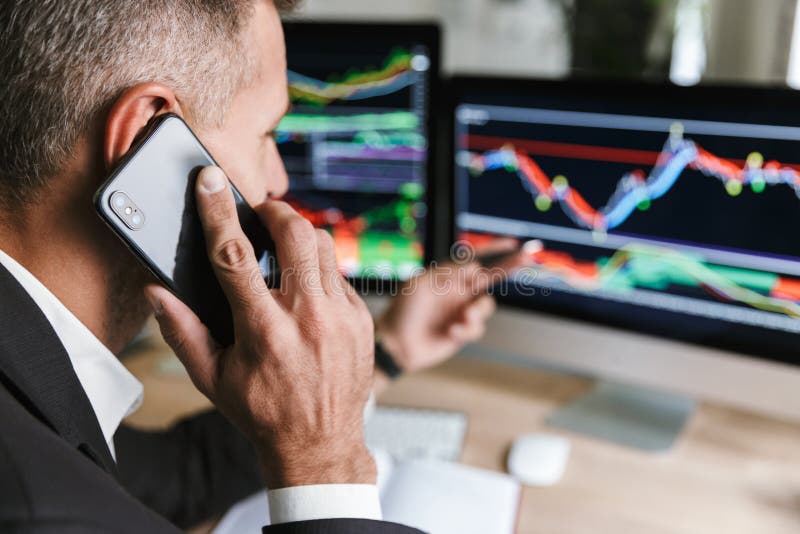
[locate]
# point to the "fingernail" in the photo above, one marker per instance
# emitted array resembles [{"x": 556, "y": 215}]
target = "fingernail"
[
  {"x": 534, "y": 246},
  {"x": 211, "y": 180}
]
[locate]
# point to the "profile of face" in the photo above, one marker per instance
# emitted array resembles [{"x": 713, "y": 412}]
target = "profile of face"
[{"x": 244, "y": 146}]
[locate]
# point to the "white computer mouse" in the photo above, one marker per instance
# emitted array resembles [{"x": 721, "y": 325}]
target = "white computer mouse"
[{"x": 538, "y": 459}]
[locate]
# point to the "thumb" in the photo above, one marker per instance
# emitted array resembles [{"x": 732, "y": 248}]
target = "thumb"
[{"x": 187, "y": 337}]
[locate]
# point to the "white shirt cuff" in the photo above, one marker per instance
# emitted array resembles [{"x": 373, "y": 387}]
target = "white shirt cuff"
[{"x": 324, "y": 501}]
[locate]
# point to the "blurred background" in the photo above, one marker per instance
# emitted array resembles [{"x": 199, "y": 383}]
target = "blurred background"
[{"x": 687, "y": 41}]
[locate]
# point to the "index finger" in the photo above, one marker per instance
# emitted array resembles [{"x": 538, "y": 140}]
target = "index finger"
[
  {"x": 496, "y": 245},
  {"x": 497, "y": 268},
  {"x": 230, "y": 252}
]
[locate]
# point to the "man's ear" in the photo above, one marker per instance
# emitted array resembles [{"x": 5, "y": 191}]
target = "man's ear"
[{"x": 130, "y": 115}]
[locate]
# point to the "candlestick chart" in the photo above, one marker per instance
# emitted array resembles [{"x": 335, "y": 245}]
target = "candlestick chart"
[{"x": 355, "y": 145}]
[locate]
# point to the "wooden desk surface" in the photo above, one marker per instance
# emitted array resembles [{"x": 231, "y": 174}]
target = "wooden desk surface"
[{"x": 732, "y": 472}]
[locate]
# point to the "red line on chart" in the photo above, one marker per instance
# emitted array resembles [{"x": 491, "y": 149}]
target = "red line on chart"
[{"x": 579, "y": 151}]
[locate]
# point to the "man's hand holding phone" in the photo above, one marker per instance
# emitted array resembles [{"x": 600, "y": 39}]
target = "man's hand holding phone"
[{"x": 300, "y": 371}]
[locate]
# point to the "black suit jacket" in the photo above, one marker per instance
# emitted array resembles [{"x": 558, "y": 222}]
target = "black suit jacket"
[{"x": 56, "y": 471}]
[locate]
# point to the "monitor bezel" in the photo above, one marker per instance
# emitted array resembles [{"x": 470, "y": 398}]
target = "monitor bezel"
[
  {"x": 773, "y": 96},
  {"x": 428, "y": 33}
]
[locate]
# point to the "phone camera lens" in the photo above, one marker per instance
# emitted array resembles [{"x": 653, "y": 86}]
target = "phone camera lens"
[{"x": 130, "y": 214}]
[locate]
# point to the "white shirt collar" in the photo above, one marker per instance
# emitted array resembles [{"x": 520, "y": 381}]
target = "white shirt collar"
[{"x": 113, "y": 391}]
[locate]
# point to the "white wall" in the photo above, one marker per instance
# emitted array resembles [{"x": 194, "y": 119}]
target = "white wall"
[
  {"x": 516, "y": 37},
  {"x": 749, "y": 40}
]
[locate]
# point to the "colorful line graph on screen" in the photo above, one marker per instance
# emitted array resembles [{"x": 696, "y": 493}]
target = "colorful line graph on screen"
[
  {"x": 382, "y": 238},
  {"x": 636, "y": 189},
  {"x": 395, "y": 75},
  {"x": 319, "y": 123},
  {"x": 658, "y": 268},
  {"x": 401, "y": 213}
]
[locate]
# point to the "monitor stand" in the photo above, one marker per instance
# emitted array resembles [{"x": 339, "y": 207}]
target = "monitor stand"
[{"x": 627, "y": 415}]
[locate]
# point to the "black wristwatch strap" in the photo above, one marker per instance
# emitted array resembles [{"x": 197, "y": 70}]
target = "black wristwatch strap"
[{"x": 385, "y": 362}]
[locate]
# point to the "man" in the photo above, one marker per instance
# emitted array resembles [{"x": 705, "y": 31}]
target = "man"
[{"x": 82, "y": 79}]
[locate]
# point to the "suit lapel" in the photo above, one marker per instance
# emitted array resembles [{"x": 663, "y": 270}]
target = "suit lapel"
[{"x": 38, "y": 369}]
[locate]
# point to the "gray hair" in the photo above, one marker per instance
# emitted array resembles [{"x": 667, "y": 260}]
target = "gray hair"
[{"x": 64, "y": 62}]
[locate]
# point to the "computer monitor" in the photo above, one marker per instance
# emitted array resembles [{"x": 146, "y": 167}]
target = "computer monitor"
[
  {"x": 651, "y": 209},
  {"x": 356, "y": 143}
]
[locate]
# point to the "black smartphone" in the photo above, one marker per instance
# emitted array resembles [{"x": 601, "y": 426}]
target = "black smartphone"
[{"x": 149, "y": 202}]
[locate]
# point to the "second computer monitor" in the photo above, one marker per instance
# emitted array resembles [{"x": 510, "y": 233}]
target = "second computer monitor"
[
  {"x": 356, "y": 143},
  {"x": 665, "y": 210}
]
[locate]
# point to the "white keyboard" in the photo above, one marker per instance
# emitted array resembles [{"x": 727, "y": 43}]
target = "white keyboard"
[{"x": 409, "y": 434}]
